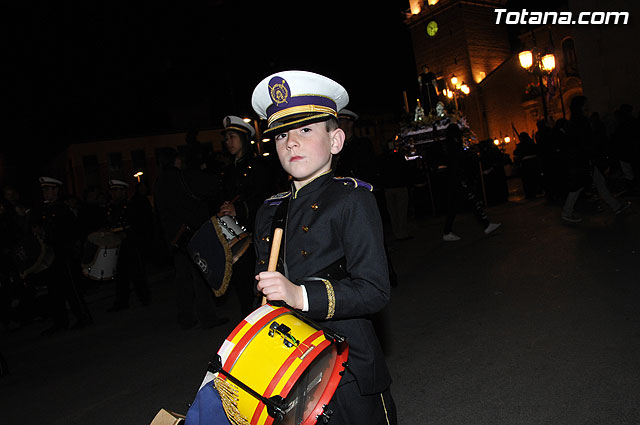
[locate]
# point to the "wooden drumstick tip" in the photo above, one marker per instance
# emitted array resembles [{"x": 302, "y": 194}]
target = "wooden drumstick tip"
[{"x": 273, "y": 255}]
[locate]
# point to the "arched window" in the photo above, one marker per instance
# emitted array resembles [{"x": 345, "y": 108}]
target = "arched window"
[{"x": 570, "y": 60}]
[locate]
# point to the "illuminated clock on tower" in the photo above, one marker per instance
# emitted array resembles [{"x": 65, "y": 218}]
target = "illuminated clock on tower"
[{"x": 432, "y": 28}]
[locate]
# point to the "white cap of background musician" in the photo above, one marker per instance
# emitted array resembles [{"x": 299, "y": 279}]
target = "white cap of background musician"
[
  {"x": 232, "y": 122},
  {"x": 49, "y": 182},
  {"x": 344, "y": 113},
  {"x": 113, "y": 183}
]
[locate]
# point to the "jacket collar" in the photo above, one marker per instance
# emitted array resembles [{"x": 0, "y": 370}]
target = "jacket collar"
[{"x": 312, "y": 186}]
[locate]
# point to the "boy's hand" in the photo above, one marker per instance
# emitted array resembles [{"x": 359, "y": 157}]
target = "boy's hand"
[{"x": 276, "y": 287}]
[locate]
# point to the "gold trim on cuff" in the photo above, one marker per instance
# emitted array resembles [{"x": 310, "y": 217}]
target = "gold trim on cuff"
[{"x": 331, "y": 296}]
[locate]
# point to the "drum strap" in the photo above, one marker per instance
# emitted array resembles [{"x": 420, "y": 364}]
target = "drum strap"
[{"x": 336, "y": 270}]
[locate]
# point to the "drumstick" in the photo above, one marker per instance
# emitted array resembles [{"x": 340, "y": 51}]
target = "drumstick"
[{"x": 273, "y": 255}]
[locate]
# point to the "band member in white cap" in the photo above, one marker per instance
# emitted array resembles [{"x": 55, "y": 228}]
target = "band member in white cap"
[
  {"x": 246, "y": 183},
  {"x": 56, "y": 223},
  {"x": 332, "y": 259}
]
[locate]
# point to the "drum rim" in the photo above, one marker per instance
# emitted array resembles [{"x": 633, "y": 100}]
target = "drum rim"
[
  {"x": 235, "y": 241},
  {"x": 116, "y": 241},
  {"x": 327, "y": 394},
  {"x": 284, "y": 367},
  {"x": 332, "y": 386}
]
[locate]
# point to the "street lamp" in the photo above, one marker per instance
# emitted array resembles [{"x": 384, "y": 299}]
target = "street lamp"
[
  {"x": 459, "y": 89},
  {"x": 540, "y": 65},
  {"x": 502, "y": 144}
]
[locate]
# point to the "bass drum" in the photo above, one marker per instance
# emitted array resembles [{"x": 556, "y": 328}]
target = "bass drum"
[
  {"x": 100, "y": 256},
  {"x": 276, "y": 353}
]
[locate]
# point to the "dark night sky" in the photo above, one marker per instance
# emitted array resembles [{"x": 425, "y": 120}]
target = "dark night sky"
[{"x": 82, "y": 71}]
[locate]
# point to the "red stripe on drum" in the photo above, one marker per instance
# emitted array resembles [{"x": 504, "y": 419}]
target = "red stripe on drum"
[
  {"x": 248, "y": 336},
  {"x": 236, "y": 330},
  {"x": 283, "y": 369},
  {"x": 252, "y": 318}
]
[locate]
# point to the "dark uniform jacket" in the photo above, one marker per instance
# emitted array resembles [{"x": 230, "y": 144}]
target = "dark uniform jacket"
[
  {"x": 250, "y": 181},
  {"x": 58, "y": 223},
  {"x": 330, "y": 219}
]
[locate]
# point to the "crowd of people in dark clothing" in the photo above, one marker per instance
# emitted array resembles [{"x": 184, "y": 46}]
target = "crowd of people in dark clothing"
[
  {"x": 46, "y": 248},
  {"x": 581, "y": 154}
]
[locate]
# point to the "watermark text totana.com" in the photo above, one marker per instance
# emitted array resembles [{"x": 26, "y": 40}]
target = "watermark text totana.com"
[{"x": 525, "y": 17}]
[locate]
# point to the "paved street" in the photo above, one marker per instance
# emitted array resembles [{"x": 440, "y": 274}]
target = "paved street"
[{"x": 538, "y": 323}]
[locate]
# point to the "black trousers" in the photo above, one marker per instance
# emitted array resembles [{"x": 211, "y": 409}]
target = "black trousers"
[
  {"x": 458, "y": 191},
  {"x": 62, "y": 279},
  {"x": 351, "y": 408},
  {"x": 131, "y": 270}
]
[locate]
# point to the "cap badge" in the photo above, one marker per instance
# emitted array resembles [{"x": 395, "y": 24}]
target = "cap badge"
[
  {"x": 279, "y": 91},
  {"x": 227, "y": 121}
]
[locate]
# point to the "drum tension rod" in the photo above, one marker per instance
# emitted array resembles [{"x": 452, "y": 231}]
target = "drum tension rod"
[
  {"x": 325, "y": 415},
  {"x": 274, "y": 404}
]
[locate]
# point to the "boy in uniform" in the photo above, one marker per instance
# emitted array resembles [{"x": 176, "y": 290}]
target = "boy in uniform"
[{"x": 332, "y": 263}]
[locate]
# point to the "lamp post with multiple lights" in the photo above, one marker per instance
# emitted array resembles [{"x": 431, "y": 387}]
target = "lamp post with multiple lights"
[
  {"x": 459, "y": 88},
  {"x": 540, "y": 65}
]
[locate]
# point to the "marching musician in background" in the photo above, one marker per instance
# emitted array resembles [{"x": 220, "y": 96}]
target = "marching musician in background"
[
  {"x": 181, "y": 199},
  {"x": 121, "y": 219},
  {"x": 332, "y": 262},
  {"x": 459, "y": 190},
  {"x": 56, "y": 224},
  {"x": 246, "y": 184}
]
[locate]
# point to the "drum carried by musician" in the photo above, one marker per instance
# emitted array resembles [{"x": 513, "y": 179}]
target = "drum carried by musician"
[
  {"x": 100, "y": 255},
  {"x": 311, "y": 354}
]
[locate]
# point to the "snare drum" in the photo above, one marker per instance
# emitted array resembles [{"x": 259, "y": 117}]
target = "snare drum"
[
  {"x": 236, "y": 235},
  {"x": 100, "y": 256},
  {"x": 276, "y": 353}
]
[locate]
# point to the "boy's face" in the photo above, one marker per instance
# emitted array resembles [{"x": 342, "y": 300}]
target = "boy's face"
[
  {"x": 305, "y": 152},
  {"x": 118, "y": 194},
  {"x": 50, "y": 193},
  {"x": 233, "y": 142}
]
